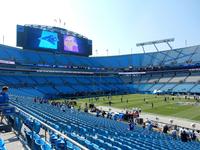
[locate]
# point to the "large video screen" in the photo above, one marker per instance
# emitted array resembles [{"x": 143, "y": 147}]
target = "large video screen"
[
  {"x": 48, "y": 40},
  {"x": 71, "y": 44},
  {"x": 38, "y": 39},
  {"x": 41, "y": 39}
]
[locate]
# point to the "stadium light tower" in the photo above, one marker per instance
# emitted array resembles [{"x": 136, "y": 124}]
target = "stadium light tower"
[
  {"x": 185, "y": 43},
  {"x": 3, "y": 39},
  {"x": 107, "y": 51},
  {"x": 55, "y": 21},
  {"x": 58, "y": 22},
  {"x": 96, "y": 52},
  {"x": 64, "y": 24}
]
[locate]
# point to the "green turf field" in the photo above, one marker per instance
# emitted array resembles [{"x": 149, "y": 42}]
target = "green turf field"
[{"x": 169, "y": 108}]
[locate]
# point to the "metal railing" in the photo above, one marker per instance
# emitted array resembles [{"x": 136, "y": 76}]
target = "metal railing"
[{"x": 52, "y": 129}]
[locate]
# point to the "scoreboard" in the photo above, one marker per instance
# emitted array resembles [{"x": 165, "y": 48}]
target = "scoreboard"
[{"x": 53, "y": 39}]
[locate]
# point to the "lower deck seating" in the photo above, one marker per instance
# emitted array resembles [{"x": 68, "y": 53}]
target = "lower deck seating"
[
  {"x": 167, "y": 87},
  {"x": 101, "y": 133},
  {"x": 48, "y": 86}
]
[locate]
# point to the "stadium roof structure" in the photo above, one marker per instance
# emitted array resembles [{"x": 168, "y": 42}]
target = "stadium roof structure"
[
  {"x": 166, "y": 54},
  {"x": 156, "y": 42}
]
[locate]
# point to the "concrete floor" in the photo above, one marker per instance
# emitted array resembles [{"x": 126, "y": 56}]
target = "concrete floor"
[{"x": 12, "y": 142}]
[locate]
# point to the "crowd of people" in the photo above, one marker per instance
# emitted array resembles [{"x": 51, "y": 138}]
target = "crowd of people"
[
  {"x": 132, "y": 115},
  {"x": 62, "y": 105},
  {"x": 40, "y": 100},
  {"x": 184, "y": 134}
]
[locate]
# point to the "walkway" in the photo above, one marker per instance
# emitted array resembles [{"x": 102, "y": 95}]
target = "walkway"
[
  {"x": 165, "y": 119},
  {"x": 12, "y": 142}
]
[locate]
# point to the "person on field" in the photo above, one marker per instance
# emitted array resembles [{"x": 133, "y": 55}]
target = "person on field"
[
  {"x": 109, "y": 103},
  {"x": 152, "y": 105}
]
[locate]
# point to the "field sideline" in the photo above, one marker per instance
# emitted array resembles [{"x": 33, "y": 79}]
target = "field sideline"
[{"x": 161, "y": 107}]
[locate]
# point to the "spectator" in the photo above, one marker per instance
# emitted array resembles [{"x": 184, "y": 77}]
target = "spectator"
[
  {"x": 143, "y": 125},
  {"x": 193, "y": 136},
  {"x": 97, "y": 113},
  {"x": 189, "y": 133},
  {"x": 165, "y": 128},
  {"x": 79, "y": 108},
  {"x": 131, "y": 125},
  {"x": 41, "y": 101},
  {"x": 86, "y": 110},
  {"x": 149, "y": 126},
  {"x": 184, "y": 136},
  {"x": 103, "y": 113},
  {"x": 4, "y": 100},
  {"x": 62, "y": 108},
  {"x": 35, "y": 100},
  {"x": 174, "y": 133},
  {"x": 109, "y": 115}
]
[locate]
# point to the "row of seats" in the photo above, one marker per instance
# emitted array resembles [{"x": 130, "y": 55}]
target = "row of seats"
[
  {"x": 76, "y": 80},
  {"x": 177, "y": 82},
  {"x": 34, "y": 131},
  {"x": 168, "y": 87},
  {"x": 54, "y": 85},
  {"x": 164, "y": 58},
  {"x": 165, "y": 78},
  {"x": 41, "y": 86}
]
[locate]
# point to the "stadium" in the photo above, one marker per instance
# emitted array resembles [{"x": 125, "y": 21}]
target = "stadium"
[{"x": 56, "y": 95}]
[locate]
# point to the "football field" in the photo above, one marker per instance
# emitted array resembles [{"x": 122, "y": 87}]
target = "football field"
[{"x": 163, "y": 105}]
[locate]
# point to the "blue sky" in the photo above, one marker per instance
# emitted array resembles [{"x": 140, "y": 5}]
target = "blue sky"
[{"x": 116, "y": 25}]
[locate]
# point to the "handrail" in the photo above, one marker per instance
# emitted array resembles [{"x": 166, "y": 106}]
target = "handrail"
[{"x": 52, "y": 129}]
